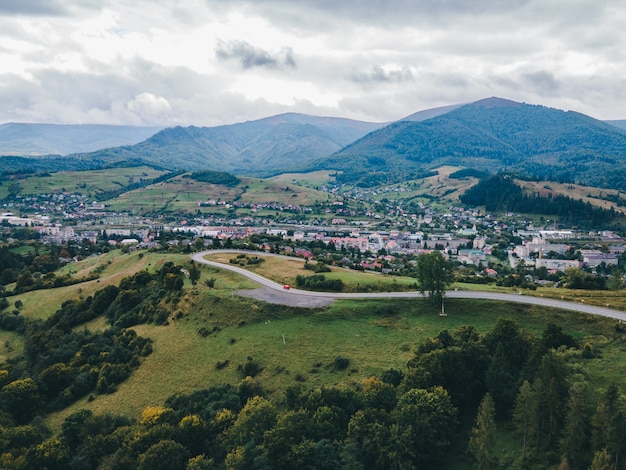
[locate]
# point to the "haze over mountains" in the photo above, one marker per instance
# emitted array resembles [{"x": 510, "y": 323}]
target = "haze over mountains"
[
  {"x": 46, "y": 139},
  {"x": 493, "y": 134}
]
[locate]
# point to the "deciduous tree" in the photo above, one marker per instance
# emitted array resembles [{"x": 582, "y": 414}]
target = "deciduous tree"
[{"x": 434, "y": 274}]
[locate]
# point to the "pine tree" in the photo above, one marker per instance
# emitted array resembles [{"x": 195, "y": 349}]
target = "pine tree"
[
  {"x": 574, "y": 441},
  {"x": 483, "y": 437},
  {"x": 525, "y": 414}
]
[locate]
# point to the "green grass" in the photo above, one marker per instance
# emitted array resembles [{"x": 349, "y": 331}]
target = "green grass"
[
  {"x": 375, "y": 335},
  {"x": 183, "y": 194},
  {"x": 86, "y": 182}
]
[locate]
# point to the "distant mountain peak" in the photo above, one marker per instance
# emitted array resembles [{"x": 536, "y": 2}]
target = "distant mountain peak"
[{"x": 495, "y": 102}]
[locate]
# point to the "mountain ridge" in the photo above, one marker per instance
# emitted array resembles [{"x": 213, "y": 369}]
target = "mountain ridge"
[
  {"x": 24, "y": 139},
  {"x": 493, "y": 134}
]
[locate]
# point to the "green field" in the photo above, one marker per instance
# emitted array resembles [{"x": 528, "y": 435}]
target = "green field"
[
  {"x": 89, "y": 182},
  {"x": 184, "y": 194}
]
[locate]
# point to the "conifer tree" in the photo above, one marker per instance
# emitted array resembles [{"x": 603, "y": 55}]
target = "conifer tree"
[{"x": 483, "y": 437}]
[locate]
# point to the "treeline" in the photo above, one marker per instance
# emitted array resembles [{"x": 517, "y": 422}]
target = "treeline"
[
  {"x": 215, "y": 177},
  {"x": 500, "y": 194},
  {"x": 447, "y": 405},
  {"x": 62, "y": 363},
  {"x": 319, "y": 282},
  {"x": 35, "y": 268}
]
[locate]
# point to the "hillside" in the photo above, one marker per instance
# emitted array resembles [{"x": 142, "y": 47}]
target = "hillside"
[
  {"x": 493, "y": 134},
  {"x": 267, "y": 146},
  {"x": 46, "y": 139}
]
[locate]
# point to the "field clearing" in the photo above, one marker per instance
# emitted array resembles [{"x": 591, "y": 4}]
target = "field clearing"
[
  {"x": 574, "y": 191},
  {"x": 313, "y": 180},
  {"x": 374, "y": 335},
  {"x": 440, "y": 186},
  {"x": 87, "y": 182},
  {"x": 184, "y": 194}
]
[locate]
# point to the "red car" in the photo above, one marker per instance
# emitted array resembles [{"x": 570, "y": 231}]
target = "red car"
[{"x": 286, "y": 286}]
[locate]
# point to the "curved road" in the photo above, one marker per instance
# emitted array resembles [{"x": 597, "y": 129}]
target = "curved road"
[{"x": 298, "y": 297}]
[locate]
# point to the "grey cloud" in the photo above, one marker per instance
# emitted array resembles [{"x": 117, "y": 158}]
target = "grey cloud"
[
  {"x": 46, "y": 7},
  {"x": 32, "y": 7},
  {"x": 321, "y": 14},
  {"x": 541, "y": 81},
  {"x": 378, "y": 74},
  {"x": 251, "y": 57}
]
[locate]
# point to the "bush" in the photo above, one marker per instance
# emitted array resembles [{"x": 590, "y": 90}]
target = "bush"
[
  {"x": 250, "y": 368},
  {"x": 341, "y": 363}
]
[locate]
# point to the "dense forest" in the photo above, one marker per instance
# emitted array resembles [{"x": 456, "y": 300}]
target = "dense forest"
[
  {"x": 499, "y": 193},
  {"x": 458, "y": 392}
]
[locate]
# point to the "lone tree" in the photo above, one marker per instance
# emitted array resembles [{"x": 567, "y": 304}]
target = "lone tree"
[{"x": 434, "y": 274}]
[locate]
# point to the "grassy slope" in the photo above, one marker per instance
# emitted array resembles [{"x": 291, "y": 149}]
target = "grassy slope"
[
  {"x": 86, "y": 182},
  {"x": 184, "y": 193},
  {"x": 374, "y": 335}
]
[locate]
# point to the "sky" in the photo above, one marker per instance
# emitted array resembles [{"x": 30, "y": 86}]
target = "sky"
[{"x": 214, "y": 62}]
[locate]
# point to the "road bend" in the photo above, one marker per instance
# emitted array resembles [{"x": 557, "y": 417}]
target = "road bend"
[{"x": 453, "y": 294}]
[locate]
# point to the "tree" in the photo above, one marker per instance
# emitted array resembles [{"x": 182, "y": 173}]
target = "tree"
[
  {"x": 602, "y": 460},
  {"x": 21, "y": 398},
  {"x": 165, "y": 455},
  {"x": 609, "y": 424},
  {"x": 194, "y": 273},
  {"x": 434, "y": 274},
  {"x": 432, "y": 418},
  {"x": 574, "y": 439},
  {"x": 483, "y": 437},
  {"x": 525, "y": 415}
]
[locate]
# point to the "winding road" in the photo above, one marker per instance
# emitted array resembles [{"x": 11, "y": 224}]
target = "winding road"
[{"x": 275, "y": 293}]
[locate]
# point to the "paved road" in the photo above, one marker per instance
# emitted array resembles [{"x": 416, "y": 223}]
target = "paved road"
[{"x": 274, "y": 292}]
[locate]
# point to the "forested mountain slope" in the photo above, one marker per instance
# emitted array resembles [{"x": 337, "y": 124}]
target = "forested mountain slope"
[
  {"x": 266, "y": 146},
  {"x": 494, "y": 134}
]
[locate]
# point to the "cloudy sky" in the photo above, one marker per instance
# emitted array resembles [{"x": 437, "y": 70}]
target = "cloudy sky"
[{"x": 211, "y": 62}]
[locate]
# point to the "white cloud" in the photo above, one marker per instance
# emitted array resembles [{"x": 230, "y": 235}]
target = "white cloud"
[
  {"x": 207, "y": 62},
  {"x": 152, "y": 109}
]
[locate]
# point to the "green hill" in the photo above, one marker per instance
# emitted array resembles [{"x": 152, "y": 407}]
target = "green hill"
[
  {"x": 267, "y": 146},
  {"x": 493, "y": 135}
]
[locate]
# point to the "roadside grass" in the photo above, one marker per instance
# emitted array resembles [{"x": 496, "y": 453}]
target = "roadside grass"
[
  {"x": 279, "y": 269},
  {"x": 285, "y": 269}
]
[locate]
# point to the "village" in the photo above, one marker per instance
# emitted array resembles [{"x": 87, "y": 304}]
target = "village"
[{"x": 369, "y": 234}]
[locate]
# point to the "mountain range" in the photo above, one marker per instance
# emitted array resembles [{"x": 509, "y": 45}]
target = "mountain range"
[
  {"x": 493, "y": 134},
  {"x": 45, "y": 139}
]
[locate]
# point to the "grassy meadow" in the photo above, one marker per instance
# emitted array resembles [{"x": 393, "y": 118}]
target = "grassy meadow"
[
  {"x": 293, "y": 345},
  {"x": 86, "y": 182},
  {"x": 183, "y": 194}
]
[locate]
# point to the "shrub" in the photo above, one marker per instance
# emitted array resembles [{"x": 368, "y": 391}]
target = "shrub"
[
  {"x": 341, "y": 363},
  {"x": 250, "y": 368}
]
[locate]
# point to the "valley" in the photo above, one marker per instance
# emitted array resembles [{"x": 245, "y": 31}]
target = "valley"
[{"x": 115, "y": 328}]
